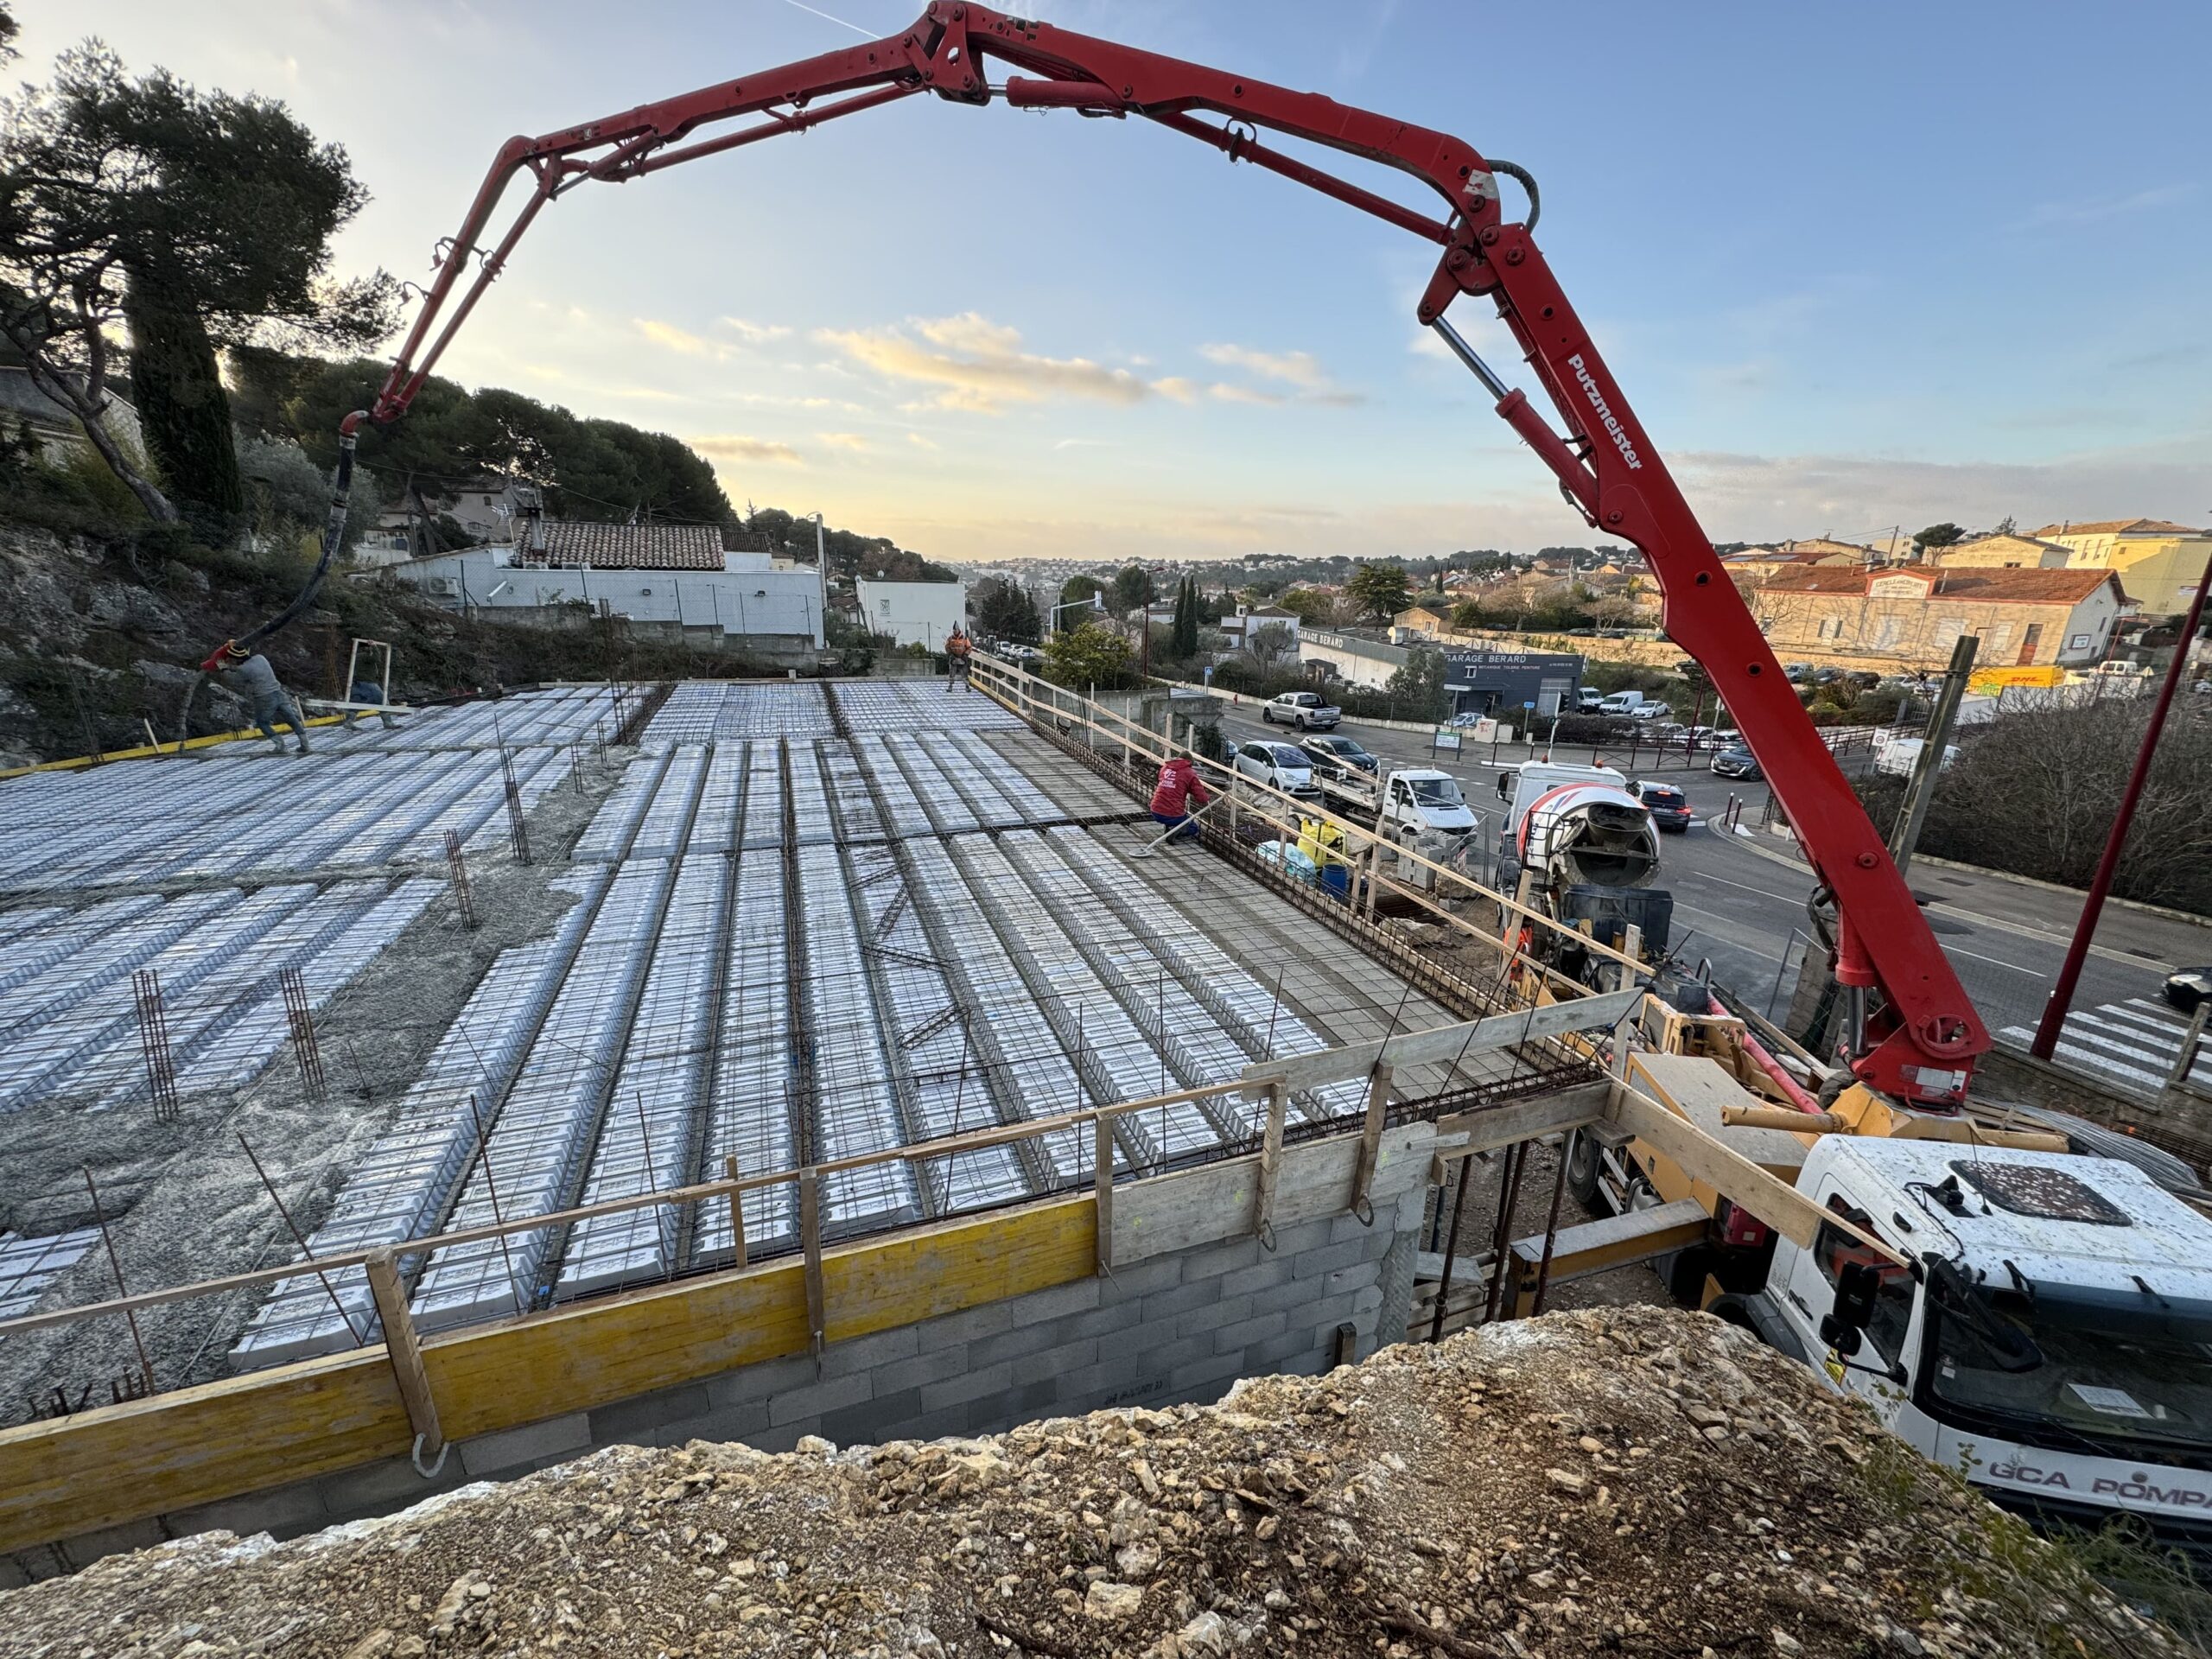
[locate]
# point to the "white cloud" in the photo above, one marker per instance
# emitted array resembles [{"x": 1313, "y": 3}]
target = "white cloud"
[
  {"x": 676, "y": 339},
  {"x": 733, "y": 446},
  {"x": 1298, "y": 370},
  {"x": 755, "y": 333},
  {"x": 1741, "y": 495},
  {"x": 844, "y": 440},
  {"x": 979, "y": 365},
  {"x": 2051, "y": 215}
]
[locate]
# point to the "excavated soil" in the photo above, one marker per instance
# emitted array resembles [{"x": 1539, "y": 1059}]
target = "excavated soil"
[{"x": 1625, "y": 1481}]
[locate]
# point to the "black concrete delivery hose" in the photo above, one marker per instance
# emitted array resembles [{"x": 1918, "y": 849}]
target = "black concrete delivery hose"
[{"x": 333, "y": 534}]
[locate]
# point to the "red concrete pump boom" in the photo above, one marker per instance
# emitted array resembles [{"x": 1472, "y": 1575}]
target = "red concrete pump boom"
[{"x": 1919, "y": 1044}]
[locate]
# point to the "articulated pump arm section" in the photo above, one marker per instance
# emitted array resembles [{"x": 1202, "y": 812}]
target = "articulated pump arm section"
[{"x": 1920, "y": 1045}]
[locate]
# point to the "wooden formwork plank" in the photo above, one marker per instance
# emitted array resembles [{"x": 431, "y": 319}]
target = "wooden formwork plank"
[
  {"x": 595, "y": 1352},
  {"x": 920, "y": 1275},
  {"x": 190, "y": 1446},
  {"x": 1441, "y": 1043},
  {"x": 193, "y": 1445}
]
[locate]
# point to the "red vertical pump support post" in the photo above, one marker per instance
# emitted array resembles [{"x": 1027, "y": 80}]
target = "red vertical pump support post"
[
  {"x": 1919, "y": 1043},
  {"x": 2093, "y": 906}
]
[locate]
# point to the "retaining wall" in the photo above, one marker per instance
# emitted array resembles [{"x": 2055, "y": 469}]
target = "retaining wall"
[{"x": 1195, "y": 1300}]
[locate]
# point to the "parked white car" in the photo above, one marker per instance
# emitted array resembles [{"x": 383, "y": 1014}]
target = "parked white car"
[{"x": 1282, "y": 766}]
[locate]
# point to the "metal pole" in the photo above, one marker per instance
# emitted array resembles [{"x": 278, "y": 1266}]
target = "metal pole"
[
  {"x": 2069, "y": 976},
  {"x": 114, "y": 1266},
  {"x": 1451, "y": 1250},
  {"x": 1551, "y": 1229},
  {"x": 2185, "y": 1062},
  {"x": 300, "y": 1239},
  {"x": 1922, "y": 789},
  {"x": 1516, "y": 1159}
]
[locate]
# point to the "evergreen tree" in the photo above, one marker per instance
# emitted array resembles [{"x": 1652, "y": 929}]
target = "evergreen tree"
[{"x": 200, "y": 219}]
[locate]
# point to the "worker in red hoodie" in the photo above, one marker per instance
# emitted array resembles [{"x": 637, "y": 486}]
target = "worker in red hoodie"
[{"x": 1178, "y": 796}]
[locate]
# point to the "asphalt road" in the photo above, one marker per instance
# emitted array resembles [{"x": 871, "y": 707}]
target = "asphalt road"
[{"x": 1744, "y": 910}]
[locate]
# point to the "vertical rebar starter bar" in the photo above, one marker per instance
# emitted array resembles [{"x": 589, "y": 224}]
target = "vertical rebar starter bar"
[
  {"x": 154, "y": 1039},
  {"x": 1551, "y": 1226},
  {"x": 1516, "y": 1159},
  {"x": 492, "y": 1191},
  {"x": 300, "y": 1017},
  {"x": 457, "y": 876},
  {"x": 517, "y": 831},
  {"x": 300, "y": 1239},
  {"x": 114, "y": 1266},
  {"x": 1451, "y": 1251}
]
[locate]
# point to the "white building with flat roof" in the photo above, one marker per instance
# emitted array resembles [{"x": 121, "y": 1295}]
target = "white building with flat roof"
[
  {"x": 913, "y": 613},
  {"x": 677, "y": 576}
]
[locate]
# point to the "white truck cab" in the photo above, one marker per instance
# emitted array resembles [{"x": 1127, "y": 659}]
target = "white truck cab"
[
  {"x": 1419, "y": 808},
  {"x": 2053, "y": 1341}
]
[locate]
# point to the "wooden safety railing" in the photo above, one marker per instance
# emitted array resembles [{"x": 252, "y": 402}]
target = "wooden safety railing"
[
  {"x": 1043, "y": 704},
  {"x": 1270, "y": 1082}
]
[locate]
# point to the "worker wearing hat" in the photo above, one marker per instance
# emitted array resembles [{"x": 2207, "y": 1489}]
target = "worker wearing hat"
[
  {"x": 957, "y": 650},
  {"x": 248, "y": 673}
]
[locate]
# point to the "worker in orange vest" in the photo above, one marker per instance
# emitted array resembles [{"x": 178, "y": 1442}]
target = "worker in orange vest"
[{"x": 957, "y": 650}]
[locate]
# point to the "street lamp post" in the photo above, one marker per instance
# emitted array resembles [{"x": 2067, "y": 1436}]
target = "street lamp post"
[{"x": 1093, "y": 603}]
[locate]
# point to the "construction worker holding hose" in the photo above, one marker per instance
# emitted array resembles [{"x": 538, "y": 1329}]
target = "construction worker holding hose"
[{"x": 249, "y": 674}]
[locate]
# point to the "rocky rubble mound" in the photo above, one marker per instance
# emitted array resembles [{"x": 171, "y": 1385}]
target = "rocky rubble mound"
[{"x": 1628, "y": 1480}]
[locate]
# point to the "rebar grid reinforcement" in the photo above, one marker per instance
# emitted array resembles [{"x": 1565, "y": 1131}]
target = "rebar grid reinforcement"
[{"x": 1450, "y": 990}]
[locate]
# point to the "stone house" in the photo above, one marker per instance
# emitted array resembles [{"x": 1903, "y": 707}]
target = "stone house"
[{"x": 1912, "y": 615}]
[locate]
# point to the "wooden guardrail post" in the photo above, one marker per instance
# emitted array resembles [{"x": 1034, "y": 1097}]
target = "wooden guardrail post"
[
  {"x": 405, "y": 1352},
  {"x": 810, "y": 1238},
  {"x": 1371, "y": 1143},
  {"x": 1264, "y": 1194},
  {"x": 1102, "y": 1182},
  {"x": 736, "y": 1212}
]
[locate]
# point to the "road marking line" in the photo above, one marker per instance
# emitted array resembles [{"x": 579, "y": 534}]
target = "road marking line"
[
  {"x": 1785, "y": 898},
  {"x": 1730, "y": 943},
  {"x": 2014, "y": 966},
  {"x": 2027, "y": 932}
]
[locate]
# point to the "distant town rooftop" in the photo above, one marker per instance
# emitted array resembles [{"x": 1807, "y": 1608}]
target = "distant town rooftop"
[{"x": 1996, "y": 587}]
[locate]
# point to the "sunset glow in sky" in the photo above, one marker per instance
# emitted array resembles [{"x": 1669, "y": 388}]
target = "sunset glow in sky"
[{"x": 1855, "y": 265}]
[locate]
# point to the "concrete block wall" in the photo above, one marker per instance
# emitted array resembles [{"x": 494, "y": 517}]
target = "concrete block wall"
[{"x": 1195, "y": 1302}]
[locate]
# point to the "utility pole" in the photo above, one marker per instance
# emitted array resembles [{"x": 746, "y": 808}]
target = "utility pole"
[
  {"x": 1936, "y": 739},
  {"x": 2069, "y": 976},
  {"x": 822, "y": 569}
]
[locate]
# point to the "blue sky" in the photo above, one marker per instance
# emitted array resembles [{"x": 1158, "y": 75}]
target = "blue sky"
[{"x": 1855, "y": 265}]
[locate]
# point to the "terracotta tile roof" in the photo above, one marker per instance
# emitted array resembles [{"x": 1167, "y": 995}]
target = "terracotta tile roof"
[
  {"x": 1941, "y": 554},
  {"x": 565, "y": 543},
  {"x": 2121, "y": 527},
  {"x": 1996, "y": 587}
]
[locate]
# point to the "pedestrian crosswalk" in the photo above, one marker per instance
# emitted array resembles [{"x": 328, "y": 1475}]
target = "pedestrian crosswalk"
[{"x": 2134, "y": 1043}]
